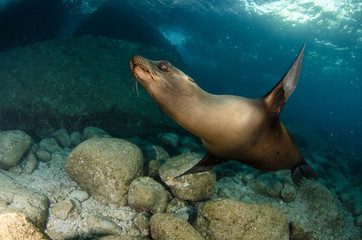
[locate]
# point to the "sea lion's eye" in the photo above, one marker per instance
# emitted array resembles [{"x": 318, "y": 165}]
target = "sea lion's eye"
[
  {"x": 190, "y": 79},
  {"x": 163, "y": 66}
]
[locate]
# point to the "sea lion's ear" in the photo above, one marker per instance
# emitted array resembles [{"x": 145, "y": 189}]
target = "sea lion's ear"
[{"x": 277, "y": 97}]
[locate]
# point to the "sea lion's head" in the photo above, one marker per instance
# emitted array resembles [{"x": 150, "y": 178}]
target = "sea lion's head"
[
  {"x": 160, "y": 77},
  {"x": 175, "y": 92}
]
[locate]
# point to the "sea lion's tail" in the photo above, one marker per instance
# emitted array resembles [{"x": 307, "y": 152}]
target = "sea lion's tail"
[{"x": 303, "y": 170}]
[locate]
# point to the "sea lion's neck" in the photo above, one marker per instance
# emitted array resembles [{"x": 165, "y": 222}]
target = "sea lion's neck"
[{"x": 190, "y": 109}]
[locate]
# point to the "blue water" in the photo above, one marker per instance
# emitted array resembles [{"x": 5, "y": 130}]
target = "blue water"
[
  {"x": 229, "y": 47},
  {"x": 239, "y": 47}
]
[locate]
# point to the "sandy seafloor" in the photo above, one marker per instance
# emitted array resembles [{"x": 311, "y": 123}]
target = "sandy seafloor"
[{"x": 51, "y": 179}]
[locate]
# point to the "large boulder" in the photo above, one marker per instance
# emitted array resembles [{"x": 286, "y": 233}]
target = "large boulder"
[
  {"x": 16, "y": 198},
  {"x": 19, "y": 226},
  {"x": 105, "y": 167},
  {"x": 191, "y": 187},
  {"x": 76, "y": 82},
  {"x": 13, "y": 144},
  {"x": 228, "y": 219}
]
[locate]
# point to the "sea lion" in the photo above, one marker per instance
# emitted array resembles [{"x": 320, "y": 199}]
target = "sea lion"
[{"x": 230, "y": 127}]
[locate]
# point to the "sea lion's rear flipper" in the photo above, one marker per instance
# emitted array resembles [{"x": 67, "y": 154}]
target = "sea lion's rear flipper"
[
  {"x": 277, "y": 97},
  {"x": 208, "y": 162},
  {"x": 303, "y": 170}
]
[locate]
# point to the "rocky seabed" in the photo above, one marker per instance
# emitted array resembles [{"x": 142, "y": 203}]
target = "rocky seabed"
[{"x": 90, "y": 185}]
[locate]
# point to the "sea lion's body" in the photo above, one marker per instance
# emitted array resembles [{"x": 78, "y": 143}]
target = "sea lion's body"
[{"x": 230, "y": 127}]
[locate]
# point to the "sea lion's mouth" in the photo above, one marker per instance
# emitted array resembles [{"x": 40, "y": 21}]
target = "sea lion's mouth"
[{"x": 140, "y": 68}]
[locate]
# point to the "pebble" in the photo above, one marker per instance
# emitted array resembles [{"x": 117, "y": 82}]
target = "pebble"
[
  {"x": 288, "y": 194},
  {"x": 76, "y": 138},
  {"x": 91, "y": 132},
  {"x": 62, "y": 137},
  {"x": 170, "y": 139},
  {"x": 30, "y": 163},
  {"x": 79, "y": 195},
  {"x": 42, "y": 155},
  {"x": 50, "y": 145}
]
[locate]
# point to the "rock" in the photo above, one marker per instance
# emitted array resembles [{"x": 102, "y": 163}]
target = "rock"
[
  {"x": 50, "y": 145},
  {"x": 105, "y": 167},
  {"x": 142, "y": 221},
  {"x": 247, "y": 177},
  {"x": 100, "y": 225},
  {"x": 76, "y": 138},
  {"x": 145, "y": 194},
  {"x": 229, "y": 219},
  {"x": 91, "y": 132},
  {"x": 62, "y": 210},
  {"x": 13, "y": 145},
  {"x": 169, "y": 139},
  {"x": 358, "y": 221},
  {"x": 288, "y": 194},
  {"x": 192, "y": 187},
  {"x": 121, "y": 238},
  {"x": 43, "y": 156},
  {"x": 15, "y": 198},
  {"x": 153, "y": 167},
  {"x": 300, "y": 231},
  {"x": 122, "y": 214},
  {"x": 62, "y": 137},
  {"x": 190, "y": 143},
  {"x": 167, "y": 227},
  {"x": 175, "y": 205},
  {"x": 324, "y": 209},
  {"x": 19, "y": 226},
  {"x": 94, "y": 92},
  {"x": 30, "y": 163},
  {"x": 59, "y": 157},
  {"x": 81, "y": 196},
  {"x": 16, "y": 170},
  {"x": 266, "y": 185},
  {"x": 153, "y": 152},
  {"x": 179, "y": 208}
]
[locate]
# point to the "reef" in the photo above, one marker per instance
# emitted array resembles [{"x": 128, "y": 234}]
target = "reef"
[{"x": 77, "y": 82}]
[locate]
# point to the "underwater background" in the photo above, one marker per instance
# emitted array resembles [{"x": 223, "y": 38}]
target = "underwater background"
[{"x": 65, "y": 65}]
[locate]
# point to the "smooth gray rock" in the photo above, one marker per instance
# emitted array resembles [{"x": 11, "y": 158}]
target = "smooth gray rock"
[
  {"x": 90, "y": 132},
  {"x": 43, "y": 156},
  {"x": 50, "y": 145},
  {"x": 105, "y": 167},
  {"x": 170, "y": 139},
  {"x": 76, "y": 138},
  {"x": 13, "y": 145},
  {"x": 62, "y": 137}
]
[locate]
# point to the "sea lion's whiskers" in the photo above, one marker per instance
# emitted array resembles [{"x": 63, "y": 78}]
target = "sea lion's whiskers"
[
  {"x": 134, "y": 82},
  {"x": 160, "y": 79}
]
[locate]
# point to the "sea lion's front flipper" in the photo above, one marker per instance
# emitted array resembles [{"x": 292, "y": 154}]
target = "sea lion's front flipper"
[
  {"x": 277, "y": 97},
  {"x": 208, "y": 162},
  {"x": 303, "y": 170}
]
